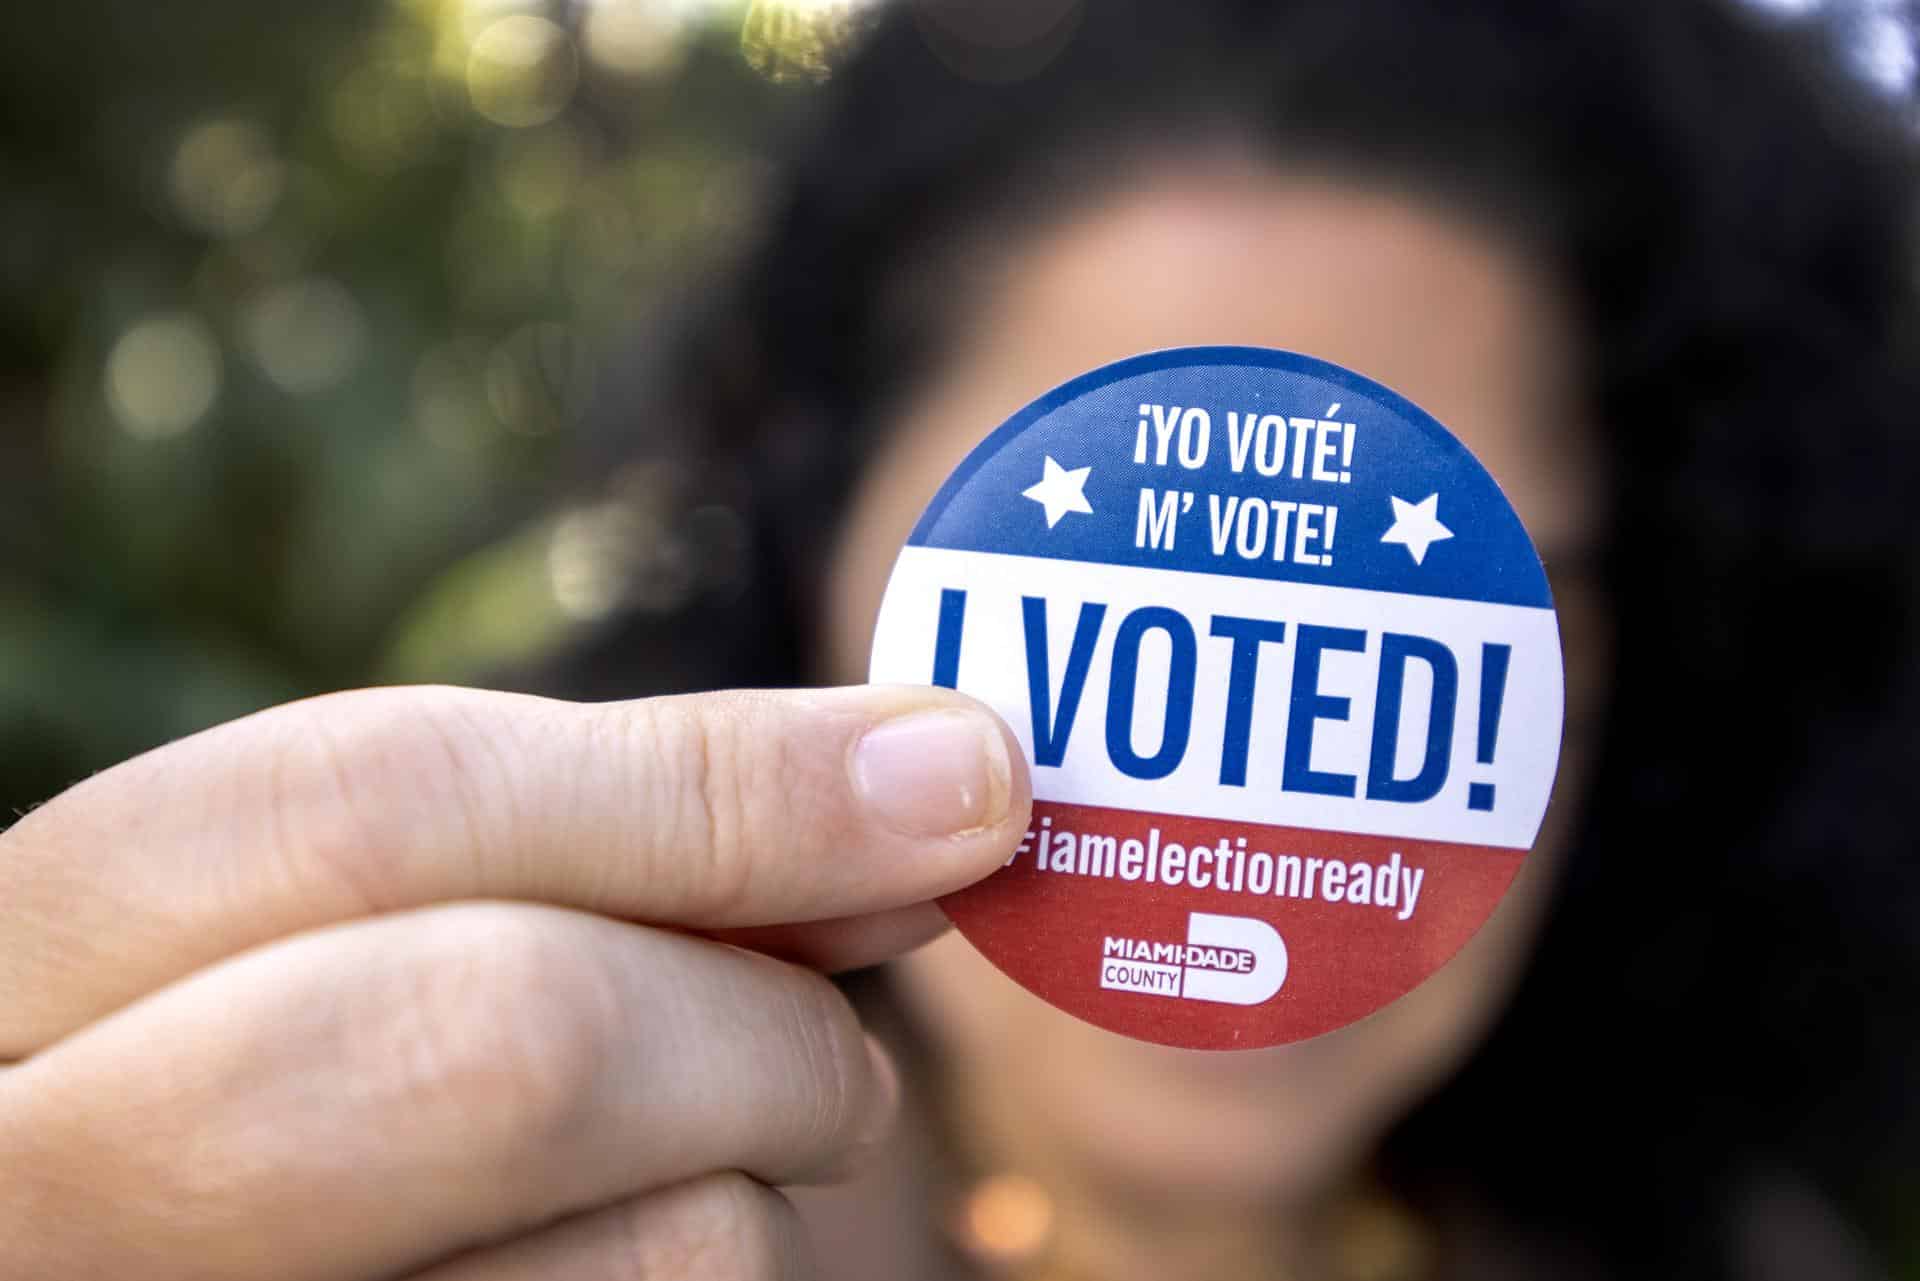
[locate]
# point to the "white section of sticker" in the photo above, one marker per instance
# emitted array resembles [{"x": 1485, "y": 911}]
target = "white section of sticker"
[
  {"x": 1235, "y": 933},
  {"x": 993, "y": 665}
]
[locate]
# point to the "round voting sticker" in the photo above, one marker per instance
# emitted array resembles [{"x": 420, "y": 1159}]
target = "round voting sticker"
[{"x": 1287, "y": 671}]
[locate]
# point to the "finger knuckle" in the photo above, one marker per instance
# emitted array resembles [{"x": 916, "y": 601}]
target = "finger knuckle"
[
  {"x": 829, "y": 1061},
  {"x": 506, "y": 1036},
  {"x": 707, "y": 772},
  {"x": 727, "y": 1227},
  {"x": 360, "y": 782}
]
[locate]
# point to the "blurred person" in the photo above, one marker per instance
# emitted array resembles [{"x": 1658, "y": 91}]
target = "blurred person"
[{"x": 426, "y": 983}]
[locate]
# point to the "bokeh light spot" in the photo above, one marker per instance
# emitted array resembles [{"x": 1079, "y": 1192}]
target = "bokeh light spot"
[
  {"x": 1006, "y": 1220},
  {"x": 522, "y": 71},
  {"x": 163, "y": 375},
  {"x": 1885, "y": 50},
  {"x": 796, "y": 41},
  {"x": 635, "y": 38},
  {"x": 382, "y": 120},
  {"x": 537, "y": 378},
  {"x": 448, "y": 396},
  {"x": 225, "y": 178},
  {"x": 307, "y": 335},
  {"x": 538, "y": 171},
  {"x": 590, "y": 559}
]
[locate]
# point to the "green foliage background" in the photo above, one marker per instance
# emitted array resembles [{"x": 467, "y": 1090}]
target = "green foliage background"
[{"x": 299, "y": 305}]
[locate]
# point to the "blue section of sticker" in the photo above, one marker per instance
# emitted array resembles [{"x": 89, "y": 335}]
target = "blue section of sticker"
[{"x": 1245, "y": 462}]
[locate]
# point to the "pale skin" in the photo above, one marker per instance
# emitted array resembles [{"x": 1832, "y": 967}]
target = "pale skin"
[
  {"x": 425, "y": 983},
  {"x": 398, "y": 982}
]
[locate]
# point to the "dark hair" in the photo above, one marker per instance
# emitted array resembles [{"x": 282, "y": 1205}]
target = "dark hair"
[{"x": 1723, "y": 1015}]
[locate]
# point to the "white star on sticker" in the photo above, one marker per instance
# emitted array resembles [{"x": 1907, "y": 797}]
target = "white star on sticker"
[
  {"x": 1060, "y": 491},
  {"x": 1416, "y": 526}
]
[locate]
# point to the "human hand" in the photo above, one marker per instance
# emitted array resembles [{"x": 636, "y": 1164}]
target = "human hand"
[{"x": 404, "y": 982}]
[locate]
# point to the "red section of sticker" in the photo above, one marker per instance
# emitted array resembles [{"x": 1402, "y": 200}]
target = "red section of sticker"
[{"x": 1224, "y": 935}]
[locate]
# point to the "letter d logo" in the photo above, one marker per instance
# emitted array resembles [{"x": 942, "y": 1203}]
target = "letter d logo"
[{"x": 1247, "y": 934}]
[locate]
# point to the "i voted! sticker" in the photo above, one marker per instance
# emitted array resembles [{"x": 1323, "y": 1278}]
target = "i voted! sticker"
[{"x": 1287, "y": 670}]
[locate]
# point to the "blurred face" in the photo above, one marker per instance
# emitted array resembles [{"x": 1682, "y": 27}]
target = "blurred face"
[{"x": 1436, "y": 307}]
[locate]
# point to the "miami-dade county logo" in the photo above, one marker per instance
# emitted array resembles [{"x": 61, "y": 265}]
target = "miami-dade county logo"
[{"x": 1234, "y": 960}]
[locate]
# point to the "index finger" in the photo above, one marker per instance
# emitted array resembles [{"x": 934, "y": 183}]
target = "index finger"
[{"x": 707, "y": 811}]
